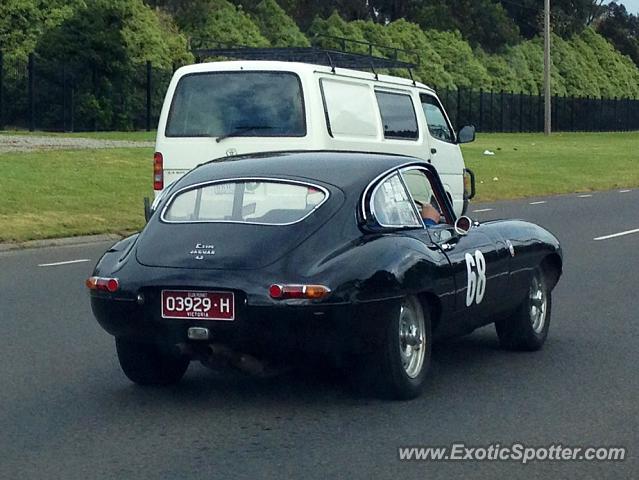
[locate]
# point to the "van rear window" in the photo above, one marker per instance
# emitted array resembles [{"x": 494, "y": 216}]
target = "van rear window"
[
  {"x": 258, "y": 201},
  {"x": 251, "y": 104}
]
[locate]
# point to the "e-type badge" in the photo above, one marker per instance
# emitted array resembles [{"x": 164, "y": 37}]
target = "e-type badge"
[{"x": 201, "y": 250}]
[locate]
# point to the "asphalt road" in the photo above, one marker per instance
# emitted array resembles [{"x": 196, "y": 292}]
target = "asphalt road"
[{"x": 66, "y": 410}]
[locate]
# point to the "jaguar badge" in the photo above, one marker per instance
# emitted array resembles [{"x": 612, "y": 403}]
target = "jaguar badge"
[{"x": 202, "y": 250}]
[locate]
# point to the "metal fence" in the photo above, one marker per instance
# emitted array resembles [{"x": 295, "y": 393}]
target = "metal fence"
[
  {"x": 521, "y": 112},
  {"x": 39, "y": 94}
]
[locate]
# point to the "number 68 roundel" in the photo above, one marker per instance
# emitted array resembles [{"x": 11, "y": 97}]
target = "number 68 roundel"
[{"x": 476, "y": 270}]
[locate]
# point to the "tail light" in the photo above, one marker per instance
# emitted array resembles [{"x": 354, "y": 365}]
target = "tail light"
[
  {"x": 103, "y": 283},
  {"x": 158, "y": 171},
  {"x": 312, "y": 292}
]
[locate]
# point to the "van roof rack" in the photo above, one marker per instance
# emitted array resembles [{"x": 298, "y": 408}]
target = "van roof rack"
[{"x": 344, "y": 58}]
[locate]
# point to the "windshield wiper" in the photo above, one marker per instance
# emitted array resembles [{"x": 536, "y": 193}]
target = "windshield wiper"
[{"x": 240, "y": 130}]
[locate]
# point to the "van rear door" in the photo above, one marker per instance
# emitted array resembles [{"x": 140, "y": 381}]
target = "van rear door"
[{"x": 212, "y": 114}]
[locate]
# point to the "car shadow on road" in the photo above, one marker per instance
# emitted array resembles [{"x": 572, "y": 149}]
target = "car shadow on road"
[{"x": 470, "y": 360}]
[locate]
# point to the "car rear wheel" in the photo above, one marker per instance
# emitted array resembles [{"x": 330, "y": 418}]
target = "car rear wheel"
[
  {"x": 527, "y": 328},
  {"x": 149, "y": 364},
  {"x": 405, "y": 352}
]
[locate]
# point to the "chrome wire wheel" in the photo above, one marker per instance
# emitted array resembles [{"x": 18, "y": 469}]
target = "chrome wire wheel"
[
  {"x": 538, "y": 304},
  {"x": 412, "y": 346}
]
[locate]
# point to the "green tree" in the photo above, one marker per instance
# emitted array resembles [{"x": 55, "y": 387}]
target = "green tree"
[
  {"x": 482, "y": 22},
  {"x": 431, "y": 69},
  {"x": 304, "y": 12},
  {"x": 22, "y": 23},
  {"x": 207, "y": 21},
  {"x": 459, "y": 60},
  {"x": 277, "y": 26},
  {"x": 105, "y": 44},
  {"x": 567, "y": 16},
  {"x": 336, "y": 26},
  {"x": 112, "y": 35},
  {"x": 622, "y": 30}
]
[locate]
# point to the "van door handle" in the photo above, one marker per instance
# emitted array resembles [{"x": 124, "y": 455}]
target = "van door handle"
[{"x": 433, "y": 151}]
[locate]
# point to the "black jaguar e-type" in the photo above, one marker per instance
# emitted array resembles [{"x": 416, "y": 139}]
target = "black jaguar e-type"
[{"x": 247, "y": 260}]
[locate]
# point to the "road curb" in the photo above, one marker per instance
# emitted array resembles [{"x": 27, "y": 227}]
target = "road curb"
[{"x": 60, "y": 242}]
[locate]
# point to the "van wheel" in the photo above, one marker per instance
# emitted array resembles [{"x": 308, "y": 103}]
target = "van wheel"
[
  {"x": 149, "y": 364},
  {"x": 527, "y": 328}
]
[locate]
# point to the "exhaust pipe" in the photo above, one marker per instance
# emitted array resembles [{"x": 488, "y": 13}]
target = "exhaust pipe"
[{"x": 220, "y": 355}]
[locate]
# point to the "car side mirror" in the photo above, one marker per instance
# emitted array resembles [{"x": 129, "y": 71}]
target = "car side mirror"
[
  {"x": 463, "y": 225},
  {"x": 466, "y": 134}
]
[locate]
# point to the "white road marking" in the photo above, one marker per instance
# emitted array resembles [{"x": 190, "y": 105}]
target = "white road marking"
[
  {"x": 482, "y": 210},
  {"x": 624, "y": 191},
  {"x": 584, "y": 196},
  {"x": 69, "y": 262},
  {"x": 538, "y": 203},
  {"x": 620, "y": 234}
]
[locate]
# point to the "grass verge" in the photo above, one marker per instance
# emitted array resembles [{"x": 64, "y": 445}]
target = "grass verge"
[
  {"x": 60, "y": 193},
  {"x": 64, "y": 193},
  {"x": 533, "y": 165}
]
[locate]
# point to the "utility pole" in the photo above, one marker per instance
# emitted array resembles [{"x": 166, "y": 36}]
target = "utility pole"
[{"x": 547, "y": 65}]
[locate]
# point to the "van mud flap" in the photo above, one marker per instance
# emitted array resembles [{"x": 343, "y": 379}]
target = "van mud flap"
[
  {"x": 468, "y": 195},
  {"x": 147, "y": 208}
]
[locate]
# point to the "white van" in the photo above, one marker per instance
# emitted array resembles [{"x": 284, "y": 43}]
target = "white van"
[{"x": 218, "y": 109}]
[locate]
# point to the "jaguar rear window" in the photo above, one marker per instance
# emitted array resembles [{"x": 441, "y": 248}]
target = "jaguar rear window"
[{"x": 259, "y": 201}]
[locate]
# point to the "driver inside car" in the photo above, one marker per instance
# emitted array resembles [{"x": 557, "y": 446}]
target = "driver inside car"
[
  {"x": 422, "y": 193},
  {"x": 430, "y": 215}
]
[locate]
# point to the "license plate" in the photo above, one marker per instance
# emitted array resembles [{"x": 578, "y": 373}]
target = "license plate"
[{"x": 198, "y": 305}]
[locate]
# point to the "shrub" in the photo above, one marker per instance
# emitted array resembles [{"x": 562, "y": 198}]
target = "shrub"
[
  {"x": 277, "y": 27},
  {"x": 219, "y": 20},
  {"x": 104, "y": 47}
]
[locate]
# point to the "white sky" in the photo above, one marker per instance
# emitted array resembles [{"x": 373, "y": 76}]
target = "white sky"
[{"x": 631, "y": 5}]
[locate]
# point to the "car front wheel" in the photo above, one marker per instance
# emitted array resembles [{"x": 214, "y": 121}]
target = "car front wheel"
[
  {"x": 149, "y": 364},
  {"x": 527, "y": 328}
]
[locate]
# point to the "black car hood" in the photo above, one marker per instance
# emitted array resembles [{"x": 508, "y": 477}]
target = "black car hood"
[{"x": 226, "y": 246}]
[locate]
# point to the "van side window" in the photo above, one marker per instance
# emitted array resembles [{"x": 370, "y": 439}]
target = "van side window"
[
  {"x": 436, "y": 120},
  {"x": 398, "y": 115},
  {"x": 349, "y": 108}
]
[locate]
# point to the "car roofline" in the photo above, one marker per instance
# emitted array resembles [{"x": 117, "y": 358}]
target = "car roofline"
[{"x": 254, "y": 155}]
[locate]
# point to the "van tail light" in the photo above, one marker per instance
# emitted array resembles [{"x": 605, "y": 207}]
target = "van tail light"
[
  {"x": 311, "y": 292},
  {"x": 158, "y": 171},
  {"x": 103, "y": 283}
]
